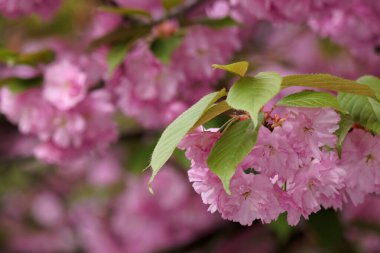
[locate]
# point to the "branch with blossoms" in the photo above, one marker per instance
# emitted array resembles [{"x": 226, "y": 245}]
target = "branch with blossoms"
[{"x": 287, "y": 150}]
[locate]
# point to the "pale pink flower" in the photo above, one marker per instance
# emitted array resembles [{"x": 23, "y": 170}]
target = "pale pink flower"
[{"x": 64, "y": 85}]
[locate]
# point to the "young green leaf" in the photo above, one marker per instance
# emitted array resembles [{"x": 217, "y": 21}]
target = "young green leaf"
[
  {"x": 361, "y": 110},
  {"x": 311, "y": 99},
  {"x": 163, "y": 48},
  {"x": 328, "y": 82},
  {"x": 345, "y": 125},
  {"x": 252, "y": 93},
  {"x": 213, "y": 112},
  {"x": 116, "y": 56},
  {"x": 170, "y": 4},
  {"x": 126, "y": 11},
  {"x": 217, "y": 23},
  {"x": 231, "y": 148},
  {"x": 238, "y": 68},
  {"x": 373, "y": 82},
  {"x": 174, "y": 133},
  {"x": 17, "y": 85}
]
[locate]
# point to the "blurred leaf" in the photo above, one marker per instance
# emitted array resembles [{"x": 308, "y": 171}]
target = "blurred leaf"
[
  {"x": 345, "y": 125},
  {"x": 252, "y": 93},
  {"x": 126, "y": 11},
  {"x": 312, "y": 99},
  {"x": 121, "y": 35},
  {"x": 238, "y": 68},
  {"x": 180, "y": 158},
  {"x": 170, "y": 4},
  {"x": 34, "y": 58},
  {"x": 175, "y": 132},
  {"x": 328, "y": 82},
  {"x": 231, "y": 148},
  {"x": 281, "y": 228},
  {"x": 218, "y": 23},
  {"x": 329, "y": 231},
  {"x": 7, "y": 56},
  {"x": 138, "y": 155},
  {"x": 163, "y": 48},
  {"x": 212, "y": 112},
  {"x": 116, "y": 55},
  {"x": 18, "y": 85}
]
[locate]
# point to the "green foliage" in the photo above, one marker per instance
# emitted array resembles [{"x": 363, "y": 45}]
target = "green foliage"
[
  {"x": 116, "y": 56},
  {"x": 372, "y": 82},
  {"x": 33, "y": 59},
  {"x": 127, "y": 12},
  {"x": 218, "y": 23},
  {"x": 163, "y": 48},
  {"x": 170, "y": 4},
  {"x": 281, "y": 228},
  {"x": 238, "y": 68},
  {"x": 213, "y": 112},
  {"x": 329, "y": 231},
  {"x": 121, "y": 36},
  {"x": 361, "y": 110},
  {"x": 252, "y": 93},
  {"x": 345, "y": 125},
  {"x": 328, "y": 82},
  {"x": 231, "y": 148},
  {"x": 312, "y": 99},
  {"x": 17, "y": 85},
  {"x": 174, "y": 133}
]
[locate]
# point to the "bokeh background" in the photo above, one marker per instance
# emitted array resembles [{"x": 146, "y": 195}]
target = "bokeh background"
[{"x": 88, "y": 86}]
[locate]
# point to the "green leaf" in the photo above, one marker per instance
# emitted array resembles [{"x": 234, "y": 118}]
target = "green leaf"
[
  {"x": 163, "y": 48},
  {"x": 373, "y": 82},
  {"x": 7, "y": 56},
  {"x": 231, "y": 148},
  {"x": 170, "y": 4},
  {"x": 281, "y": 228},
  {"x": 126, "y": 11},
  {"x": 311, "y": 99},
  {"x": 34, "y": 58},
  {"x": 328, "y": 82},
  {"x": 238, "y": 68},
  {"x": 17, "y": 85},
  {"x": 121, "y": 35},
  {"x": 329, "y": 231},
  {"x": 213, "y": 112},
  {"x": 361, "y": 110},
  {"x": 175, "y": 132},
  {"x": 116, "y": 55},
  {"x": 252, "y": 93},
  {"x": 218, "y": 23},
  {"x": 345, "y": 125}
]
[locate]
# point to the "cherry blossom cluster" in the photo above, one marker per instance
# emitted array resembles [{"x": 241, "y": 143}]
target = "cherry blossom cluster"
[
  {"x": 67, "y": 221},
  {"x": 352, "y": 23},
  {"x": 293, "y": 168}
]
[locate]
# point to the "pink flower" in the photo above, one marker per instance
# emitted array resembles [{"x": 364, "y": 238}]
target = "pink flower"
[
  {"x": 360, "y": 158},
  {"x": 64, "y": 85},
  {"x": 319, "y": 184},
  {"x": 311, "y": 129},
  {"x": 18, "y": 8}
]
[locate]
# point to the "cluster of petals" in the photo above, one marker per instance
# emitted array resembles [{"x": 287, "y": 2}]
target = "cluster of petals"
[
  {"x": 67, "y": 117},
  {"x": 131, "y": 220},
  {"x": 293, "y": 168},
  {"x": 153, "y": 98}
]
